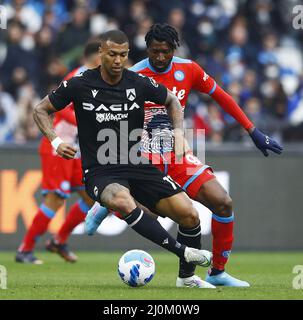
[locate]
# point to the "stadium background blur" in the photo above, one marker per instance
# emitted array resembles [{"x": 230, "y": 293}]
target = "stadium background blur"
[{"x": 249, "y": 47}]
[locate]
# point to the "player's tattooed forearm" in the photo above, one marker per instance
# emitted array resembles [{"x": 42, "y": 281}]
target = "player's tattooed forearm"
[{"x": 44, "y": 119}]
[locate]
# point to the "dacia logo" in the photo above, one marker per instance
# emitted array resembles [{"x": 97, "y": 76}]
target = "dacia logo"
[{"x": 113, "y": 107}]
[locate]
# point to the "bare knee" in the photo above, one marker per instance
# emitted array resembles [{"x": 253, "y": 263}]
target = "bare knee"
[
  {"x": 53, "y": 201},
  {"x": 190, "y": 217},
  {"x": 225, "y": 207}
]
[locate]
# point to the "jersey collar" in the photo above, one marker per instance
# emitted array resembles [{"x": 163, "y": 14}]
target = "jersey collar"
[{"x": 163, "y": 72}]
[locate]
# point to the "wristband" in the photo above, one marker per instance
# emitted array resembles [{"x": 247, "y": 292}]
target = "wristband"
[{"x": 56, "y": 142}]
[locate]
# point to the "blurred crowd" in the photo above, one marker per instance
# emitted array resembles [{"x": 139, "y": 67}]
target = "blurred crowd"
[{"x": 250, "y": 47}]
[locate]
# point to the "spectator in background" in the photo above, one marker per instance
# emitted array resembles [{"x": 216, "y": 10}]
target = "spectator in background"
[
  {"x": 176, "y": 18},
  {"x": 16, "y": 55},
  {"x": 138, "y": 45},
  {"x": 53, "y": 12},
  {"x": 75, "y": 33},
  {"x": 8, "y": 117},
  {"x": 23, "y": 12},
  {"x": 26, "y": 130},
  {"x": 235, "y": 40}
]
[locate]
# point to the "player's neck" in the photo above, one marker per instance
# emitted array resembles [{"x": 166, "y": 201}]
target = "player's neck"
[{"x": 108, "y": 78}]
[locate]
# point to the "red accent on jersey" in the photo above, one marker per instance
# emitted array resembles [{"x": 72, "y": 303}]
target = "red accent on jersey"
[{"x": 65, "y": 124}]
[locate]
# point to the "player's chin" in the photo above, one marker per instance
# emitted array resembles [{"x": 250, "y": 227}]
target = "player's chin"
[
  {"x": 162, "y": 66},
  {"x": 116, "y": 71}
]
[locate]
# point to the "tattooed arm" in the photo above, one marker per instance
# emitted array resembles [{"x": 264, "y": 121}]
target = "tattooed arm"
[{"x": 43, "y": 118}]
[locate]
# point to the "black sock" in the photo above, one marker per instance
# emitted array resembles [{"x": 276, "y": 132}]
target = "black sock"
[
  {"x": 151, "y": 229},
  {"x": 191, "y": 238}
]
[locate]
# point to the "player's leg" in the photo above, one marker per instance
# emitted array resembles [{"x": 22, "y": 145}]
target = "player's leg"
[
  {"x": 214, "y": 196},
  {"x": 55, "y": 188},
  {"x": 161, "y": 195},
  {"x": 75, "y": 216},
  {"x": 180, "y": 209},
  {"x": 181, "y": 173},
  {"x": 52, "y": 202},
  {"x": 200, "y": 184},
  {"x": 118, "y": 198}
]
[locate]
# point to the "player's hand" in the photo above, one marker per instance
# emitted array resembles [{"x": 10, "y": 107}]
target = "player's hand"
[
  {"x": 66, "y": 151},
  {"x": 180, "y": 145},
  {"x": 264, "y": 142}
]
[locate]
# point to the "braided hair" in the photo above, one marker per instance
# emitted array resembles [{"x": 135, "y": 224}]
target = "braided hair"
[{"x": 163, "y": 32}]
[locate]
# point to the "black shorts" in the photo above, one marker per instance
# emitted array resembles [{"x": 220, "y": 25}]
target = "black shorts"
[{"x": 146, "y": 183}]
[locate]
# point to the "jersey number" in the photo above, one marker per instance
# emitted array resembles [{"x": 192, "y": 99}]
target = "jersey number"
[{"x": 192, "y": 159}]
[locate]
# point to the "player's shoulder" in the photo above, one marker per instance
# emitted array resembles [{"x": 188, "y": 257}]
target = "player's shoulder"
[
  {"x": 83, "y": 75},
  {"x": 139, "y": 66},
  {"x": 75, "y": 72},
  {"x": 132, "y": 75},
  {"x": 178, "y": 60},
  {"x": 185, "y": 63},
  {"x": 88, "y": 74}
]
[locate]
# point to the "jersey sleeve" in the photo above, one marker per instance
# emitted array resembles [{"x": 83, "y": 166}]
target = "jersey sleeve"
[
  {"x": 153, "y": 91},
  {"x": 63, "y": 95},
  {"x": 201, "y": 81}
]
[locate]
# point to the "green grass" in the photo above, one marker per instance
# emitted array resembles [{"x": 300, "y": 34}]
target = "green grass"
[{"x": 94, "y": 276}]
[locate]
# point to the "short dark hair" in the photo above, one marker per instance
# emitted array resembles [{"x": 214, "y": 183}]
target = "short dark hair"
[
  {"x": 163, "y": 32},
  {"x": 116, "y": 36},
  {"x": 91, "y": 47}
]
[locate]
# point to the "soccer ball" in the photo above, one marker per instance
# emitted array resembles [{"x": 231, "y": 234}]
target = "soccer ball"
[{"x": 136, "y": 268}]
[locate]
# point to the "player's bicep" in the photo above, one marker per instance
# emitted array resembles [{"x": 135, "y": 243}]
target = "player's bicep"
[{"x": 46, "y": 105}]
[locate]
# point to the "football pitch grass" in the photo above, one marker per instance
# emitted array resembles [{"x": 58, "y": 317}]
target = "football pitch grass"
[{"x": 95, "y": 276}]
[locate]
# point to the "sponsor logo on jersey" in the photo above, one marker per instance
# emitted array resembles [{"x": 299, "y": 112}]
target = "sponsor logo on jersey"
[
  {"x": 131, "y": 94},
  {"x": 179, "y": 75},
  {"x": 113, "y": 107},
  {"x": 101, "y": 117},
  {"x": 94, "y": 93}
]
